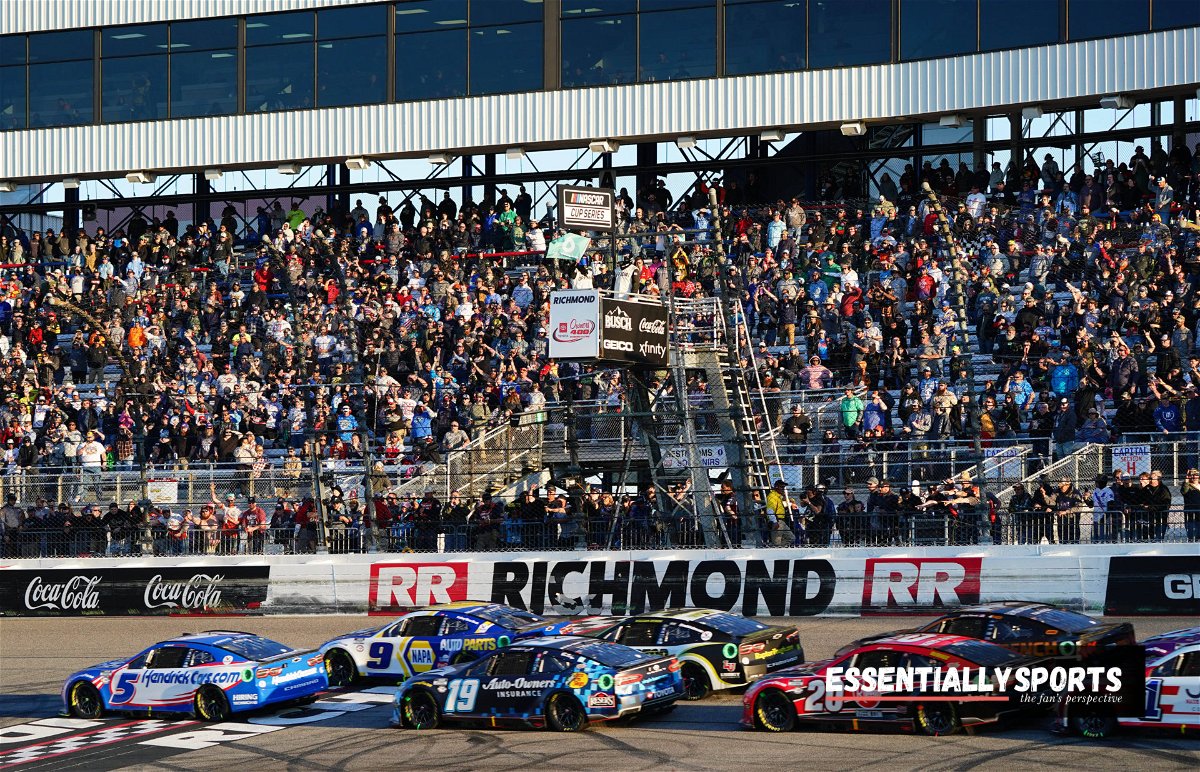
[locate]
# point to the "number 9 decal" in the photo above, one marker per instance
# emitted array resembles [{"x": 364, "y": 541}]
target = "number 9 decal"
[{"x": 381, "y": 655}]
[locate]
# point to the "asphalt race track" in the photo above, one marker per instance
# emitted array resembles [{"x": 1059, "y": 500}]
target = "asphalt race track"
[{"x": 349, "y": 730}]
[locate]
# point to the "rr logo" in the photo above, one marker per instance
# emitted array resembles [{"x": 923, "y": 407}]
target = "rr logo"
[
  {"x": 406, "y": 585},
  {"x": 914, "y": 584}
]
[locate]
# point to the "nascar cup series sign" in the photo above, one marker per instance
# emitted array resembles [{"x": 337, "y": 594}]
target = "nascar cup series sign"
[{"x": 588, "y": 209}]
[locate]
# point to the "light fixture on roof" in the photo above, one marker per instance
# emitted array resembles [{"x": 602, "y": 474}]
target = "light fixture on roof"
[
  {"x": 604, "y": 146},
  {"x": 70, "y": 183},
  {"x": 7, "y": 186},
  {"x": 1118, "y": 102},
  {"x": 358, "y": 164},
  {"x": 141, "y": 178},
  {"x": 212, "y": 174},
  {"x": 854, "y": 129},
  {"x": 440, "y": 158},
  {"x": 685, "y": 143},
  {"x": 953, "y": 121},
  {"x": 292, "y": 168},
  {"x": 772, "y": 135},
  {"x": 1032, "y": 112},
  {"x": 514, "y": 153}
]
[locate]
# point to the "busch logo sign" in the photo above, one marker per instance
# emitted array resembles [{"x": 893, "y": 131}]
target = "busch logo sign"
[
  {"x": 75, "y": 594},
  {"x": 198, "y": 592},
  {"x": 910, "y": 584},
  {"x": 616, "y": 319},
  {"x": 406, "y": 585}
]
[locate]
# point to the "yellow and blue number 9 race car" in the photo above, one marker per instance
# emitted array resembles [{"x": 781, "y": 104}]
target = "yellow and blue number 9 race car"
[{"x": 423, "y": 639}]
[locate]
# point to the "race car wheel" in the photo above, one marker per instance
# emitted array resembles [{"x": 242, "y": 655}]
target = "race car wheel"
[
  {"x": 86, "y": 701},
  {"x": 340, "y": 668},
  {"x": 774, "y": 712},
  {"x": 565, "y": 714},
  {"x": 419, "y": 711},
  {"x": 696, "y": 685},
  {"x": 938, "y": 719},
  {"x": 1093, "y": 725},
  {"x": 211, "y": 704}
]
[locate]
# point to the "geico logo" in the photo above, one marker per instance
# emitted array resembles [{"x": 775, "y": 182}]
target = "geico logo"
[
  {"x": 190, "y": 677},
  {"x": 519, "y": 683},
  {"x": 479, "y": 644},
  {"x": 421, "y": 656},
  {"x": 602, "y": 700},
  {"x": 295, "y": 675},
  {"x": 1181, "y": 586},
  {"x": 618, "y": 345}
]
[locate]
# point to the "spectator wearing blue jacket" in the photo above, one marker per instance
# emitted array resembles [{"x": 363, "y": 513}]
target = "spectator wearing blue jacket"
[
  {"x": 1064, "y": 379},
  {"x": 1168, "y": 418},
  {"x": 422, "y": 424}
]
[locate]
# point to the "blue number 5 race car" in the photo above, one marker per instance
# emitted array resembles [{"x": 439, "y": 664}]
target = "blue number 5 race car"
[
  {"x": 558, "y": 681},
  {"x": 208, "y": 675}
]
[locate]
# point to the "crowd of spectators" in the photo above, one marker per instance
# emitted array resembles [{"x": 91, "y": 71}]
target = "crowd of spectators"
[{"x": 396, "y": 334}]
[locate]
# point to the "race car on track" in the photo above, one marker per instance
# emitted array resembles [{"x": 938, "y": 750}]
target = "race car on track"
[
  {"x": 796, "y": 696},
  {"x": 426, "y": 638},
  {"x": 716, "y": 650},
  {"x": 1172, "y": 690},
  {"x": 563, "y": 682},
  {"x": 209, "y": 675},
  {"x": 1032, "y": 629}
]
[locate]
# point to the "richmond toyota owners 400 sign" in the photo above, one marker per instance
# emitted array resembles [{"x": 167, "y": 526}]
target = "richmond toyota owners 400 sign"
[{"x": 574, "y": 324}]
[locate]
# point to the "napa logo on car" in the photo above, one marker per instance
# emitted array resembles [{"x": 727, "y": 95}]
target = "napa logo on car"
[{"x": 421, "y": 656}]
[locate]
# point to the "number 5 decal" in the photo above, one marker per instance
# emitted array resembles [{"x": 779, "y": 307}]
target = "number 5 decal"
[
  {"x": 461, "y": 695},
  {"x": 381, "y": 654},
  {"x": 819, "y": 702},
  {"x": 123, "y": 688}
]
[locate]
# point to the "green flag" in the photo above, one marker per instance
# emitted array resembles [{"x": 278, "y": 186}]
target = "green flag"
[{"x": 569, "y": 246}]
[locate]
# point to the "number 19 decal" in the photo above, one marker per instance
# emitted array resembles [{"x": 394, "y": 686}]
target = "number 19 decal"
[{"x": 461, "y": 695}]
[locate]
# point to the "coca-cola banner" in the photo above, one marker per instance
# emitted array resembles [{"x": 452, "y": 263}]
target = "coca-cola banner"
[{"x": 108, "y": 591}]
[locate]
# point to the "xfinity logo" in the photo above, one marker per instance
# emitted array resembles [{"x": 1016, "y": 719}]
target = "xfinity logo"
[
  {"x": 200, "y": 591},
  {"x": 617, "y": 319},
  {"x": 76, "y": 594},
  {"x": 656, "y": 327},
  {"x": 656, "y": 350},
  {"x": 1181, "y": 586}
]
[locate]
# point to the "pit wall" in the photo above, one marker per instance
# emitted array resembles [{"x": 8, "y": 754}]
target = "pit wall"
[{"x": 1115, "y": 579}]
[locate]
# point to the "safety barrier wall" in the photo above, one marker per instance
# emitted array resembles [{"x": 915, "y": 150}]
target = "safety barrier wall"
[{"x": 1117, "y": 579}]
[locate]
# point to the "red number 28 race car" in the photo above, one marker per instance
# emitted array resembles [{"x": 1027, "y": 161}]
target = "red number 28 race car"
[{"x": 783, "y": 700}]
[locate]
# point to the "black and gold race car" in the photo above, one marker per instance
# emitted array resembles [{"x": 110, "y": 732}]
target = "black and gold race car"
[
  {"x": 716, "y": 650},
  {"x": 1032, "y": 629}
]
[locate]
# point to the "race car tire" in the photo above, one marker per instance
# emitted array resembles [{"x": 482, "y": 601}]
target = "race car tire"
[
  {"x": 564, "y": 713},
  {"x": 774, "y": 712},
  {"x": 1094, "y": 725},
  {"x": 696, "y": 685},
  {"x": 211, "y": 704},
  {"x": 85, "y": 701},
  {"x": 419, "y": 710},
  {"x": 938, "y": 719},
  {"x": 340, "y": 668}
]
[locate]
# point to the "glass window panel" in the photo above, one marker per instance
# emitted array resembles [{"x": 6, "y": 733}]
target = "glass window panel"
[
  {"x": 279, "y": 77},
  {"x": 131, "y": 41},
  {"x": 61, "y": 46},
  {"x": 60, "y": 94},
  {"x": 1017, "y": 23},
  {"x": 842, "y": 33},
  {"x": 351, "y": 72},
  {"x": 1104, "y": 18},
  {"x": 487, "y": 12},
  {"x": 765, "y": 37},
  {"x": 279, "y": 28},
  {"x": 430, "y": 65},
  {"x": 204, "y": 35},
  {"x": 133, "y": 88},
  {"x": 12, "y": 97},
  {"x": 356, "y": 21},
  {"x": 931, "y": 28},
  {"x": 430, "y": 15},
  {"x": 675, "y": 45},
  {"x": 12, "y": 49},
  {"x": 1175, "y": 13},
  {"x": 203, "y": 83},
  {"x": 577, "y": 8},
  {"x": 506, "y": 59},
  {"x": 670, "y": 5},
  {"x": 598, "y": 52}
]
